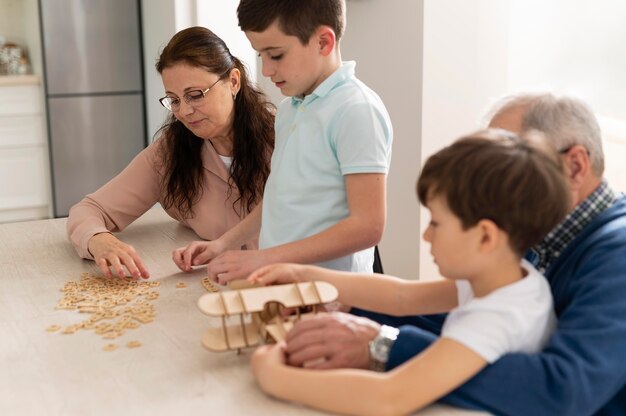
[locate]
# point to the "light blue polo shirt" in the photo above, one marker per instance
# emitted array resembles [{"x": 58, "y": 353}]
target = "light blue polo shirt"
[{"x": 341, "y": 128}]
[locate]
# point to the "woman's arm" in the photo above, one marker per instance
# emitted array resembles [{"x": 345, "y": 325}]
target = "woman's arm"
[
  {"x": 439, "y": 369},
  {"x": 378, "y": 293},
  {"x": 111, "y": 208}
]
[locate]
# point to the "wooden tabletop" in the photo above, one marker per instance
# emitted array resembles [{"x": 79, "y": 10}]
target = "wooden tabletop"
[{"x": 51, "y": 373}]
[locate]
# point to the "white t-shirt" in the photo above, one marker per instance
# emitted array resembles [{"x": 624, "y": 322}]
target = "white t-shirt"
[
  {"x": 228, "y": 161},
  {"x": 515, "y": 318}
]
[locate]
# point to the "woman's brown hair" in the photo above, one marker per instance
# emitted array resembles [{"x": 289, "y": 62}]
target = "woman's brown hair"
[{"x": 253, "y": 128}]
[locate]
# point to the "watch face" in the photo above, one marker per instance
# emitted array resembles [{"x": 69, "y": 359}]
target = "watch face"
[
  {"x": 380, "y": 348},
  {"x": 381, "y": 345}
]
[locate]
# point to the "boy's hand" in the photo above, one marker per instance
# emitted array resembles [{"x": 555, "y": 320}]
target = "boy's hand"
[
  {"x": 196, "y": 254},
  {"x": 235, "y": 265},
  {"x": 268, "y": 356},
  {"x": 264, "y": 360},
  {"x": 277, "y": 273}
]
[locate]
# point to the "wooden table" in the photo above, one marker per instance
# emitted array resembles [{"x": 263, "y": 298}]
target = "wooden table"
[{"x": 43, "y": 373}]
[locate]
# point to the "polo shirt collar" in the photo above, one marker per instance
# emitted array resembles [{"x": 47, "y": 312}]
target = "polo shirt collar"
[{"x": 344, "y": 72}]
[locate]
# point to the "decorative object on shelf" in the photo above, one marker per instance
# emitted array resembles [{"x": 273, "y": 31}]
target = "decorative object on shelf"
[
  {"x": 13, "y": 60},
  {"x": 257, "y": 312}
]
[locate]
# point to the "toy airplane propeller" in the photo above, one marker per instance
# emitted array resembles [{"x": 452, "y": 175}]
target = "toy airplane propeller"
[{"x": 258, "y": 312}]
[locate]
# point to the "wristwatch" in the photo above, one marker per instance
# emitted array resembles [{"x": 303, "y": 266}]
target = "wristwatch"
[{"x": 381, "y": 346}]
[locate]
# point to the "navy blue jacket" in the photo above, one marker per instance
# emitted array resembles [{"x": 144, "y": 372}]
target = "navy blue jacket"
[{"x": 582, "y": 370}]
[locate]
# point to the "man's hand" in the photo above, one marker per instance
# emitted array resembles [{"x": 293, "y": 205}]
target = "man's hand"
[
  {"x": 334, "y": 340},
  {"x": 112, "y": 254}
]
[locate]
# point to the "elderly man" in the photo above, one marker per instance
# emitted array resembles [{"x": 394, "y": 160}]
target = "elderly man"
[{"x": 582, "y": 370}]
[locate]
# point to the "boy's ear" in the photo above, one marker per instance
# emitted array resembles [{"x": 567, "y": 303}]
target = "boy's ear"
[
  {"x": 325, "y": 37},
  {"x": 490, "y": 236}
]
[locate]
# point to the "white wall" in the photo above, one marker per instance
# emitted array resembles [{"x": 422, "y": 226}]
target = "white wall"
[
  {"x": 12, "y": 21},
  {"x": 158, "y": 25},
  {"x": 221, "y": 17},
  {"x": 464, "y": 67},
  {"x": 576, "y": 47},
  {"x": 478, "y": 50},
  {"x": 385, "y": 39},
  {"x": 571, "y": 45}
]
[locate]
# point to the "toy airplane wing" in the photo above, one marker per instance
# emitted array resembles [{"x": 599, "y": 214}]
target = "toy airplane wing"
[{"x": 253, "y": 308}]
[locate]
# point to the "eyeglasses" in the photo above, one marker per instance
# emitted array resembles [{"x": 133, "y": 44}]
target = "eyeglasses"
[{"x": 193, "y": 98}]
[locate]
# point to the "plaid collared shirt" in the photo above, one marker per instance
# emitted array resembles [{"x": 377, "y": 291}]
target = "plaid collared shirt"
[{"x": 553, "y": 244}]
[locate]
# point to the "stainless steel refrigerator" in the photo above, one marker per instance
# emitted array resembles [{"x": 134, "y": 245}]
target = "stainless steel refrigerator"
[{"x": 94, "y": 91}]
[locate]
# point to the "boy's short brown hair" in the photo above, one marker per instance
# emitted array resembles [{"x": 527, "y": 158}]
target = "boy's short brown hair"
[
  {"x": 298, "y": 18},
  {"x": 518, "y": 183}
]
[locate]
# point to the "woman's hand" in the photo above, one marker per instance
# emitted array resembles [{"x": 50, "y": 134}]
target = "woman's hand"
[
  {"x": 196, "y": 253},
  {"x": 277, "y": 273},
  {"x": 112, "y": 254}
]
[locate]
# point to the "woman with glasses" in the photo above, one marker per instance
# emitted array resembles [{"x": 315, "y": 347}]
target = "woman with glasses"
[{"x": 208, "y": 166}]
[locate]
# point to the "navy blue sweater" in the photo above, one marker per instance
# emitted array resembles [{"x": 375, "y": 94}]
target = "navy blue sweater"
[{"x": 582, "y": 370}]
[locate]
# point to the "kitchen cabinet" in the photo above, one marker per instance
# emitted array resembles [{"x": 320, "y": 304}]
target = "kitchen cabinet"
[{"x": 24, "y": 177}]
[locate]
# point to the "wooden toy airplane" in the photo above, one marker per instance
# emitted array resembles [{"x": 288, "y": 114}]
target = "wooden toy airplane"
[{"x": 258, "y": 312}]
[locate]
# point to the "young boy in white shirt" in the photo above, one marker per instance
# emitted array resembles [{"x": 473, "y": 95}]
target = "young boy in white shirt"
[
  {"x": 324, "y": 201},
  {"x": 491, "y": 196}
]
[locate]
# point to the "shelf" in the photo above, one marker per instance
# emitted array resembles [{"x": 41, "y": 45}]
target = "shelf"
[{"x": 19, "y": 80}]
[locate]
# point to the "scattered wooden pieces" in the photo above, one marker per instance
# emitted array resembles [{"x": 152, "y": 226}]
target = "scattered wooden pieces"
[
  {"x": 70, "y": 329},
  {"x": 110, "y": 347},
  {"x": 113, "y": 305},
  {"x": 133, "y": 344},
  {"x": 53, "y": 328},
  {"x": 209, "y": 285},
  {"x": 181, "y": 285}
]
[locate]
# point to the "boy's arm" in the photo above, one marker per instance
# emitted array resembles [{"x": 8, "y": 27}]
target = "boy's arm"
[
  {"x": 363, "y": 228},
  {"x": 246, "y": 230},
  {"x": 582, "y": 368},
  {"x": 378, "y": 293},
  {"x": 445, "y": 365}
]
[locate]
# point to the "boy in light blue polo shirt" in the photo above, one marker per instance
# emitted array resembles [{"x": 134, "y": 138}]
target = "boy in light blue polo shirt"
[
  {"x": 324, "y": 200},
  {"x": 341, "y": 128}
]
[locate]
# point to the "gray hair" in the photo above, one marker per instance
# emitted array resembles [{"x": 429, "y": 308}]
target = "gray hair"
[{"x": 566, "y": 121}]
